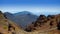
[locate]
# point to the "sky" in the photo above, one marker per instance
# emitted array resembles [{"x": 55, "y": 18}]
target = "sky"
[{"x": 35, "y": 6}]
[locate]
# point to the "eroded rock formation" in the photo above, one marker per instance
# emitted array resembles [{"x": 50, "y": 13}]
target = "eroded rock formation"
[{"x": 45, "y": 23}]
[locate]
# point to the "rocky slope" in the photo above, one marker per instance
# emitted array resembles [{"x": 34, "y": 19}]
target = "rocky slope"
[
  {"x": 45, "y": 25},
  {"x": 8, "y": 27}
]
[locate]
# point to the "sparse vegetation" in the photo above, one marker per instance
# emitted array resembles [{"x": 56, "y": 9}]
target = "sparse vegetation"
[{"x": 5, "y": 27}]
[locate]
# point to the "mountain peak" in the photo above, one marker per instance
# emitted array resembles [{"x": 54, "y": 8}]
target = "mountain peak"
[
  {"x": 23, "y": 13},
  {"x": 26, "y": 12}
]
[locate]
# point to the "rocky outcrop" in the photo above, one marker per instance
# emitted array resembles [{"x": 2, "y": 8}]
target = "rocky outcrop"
[{"x": 44, "y": 23}]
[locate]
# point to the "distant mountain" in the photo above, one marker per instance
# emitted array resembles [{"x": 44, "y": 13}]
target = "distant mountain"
[
  {"x": 22, "y": 18},
  {"x": 23, "y": 13}
]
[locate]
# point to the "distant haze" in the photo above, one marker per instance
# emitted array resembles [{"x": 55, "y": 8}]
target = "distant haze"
[{"x": 35, "y": 6}]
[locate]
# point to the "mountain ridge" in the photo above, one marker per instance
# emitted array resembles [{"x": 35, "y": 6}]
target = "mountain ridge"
[{"x": 22, "y": 18}]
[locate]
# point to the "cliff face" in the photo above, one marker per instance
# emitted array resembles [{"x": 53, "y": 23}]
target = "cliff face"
[{"x": 49, "y": 24}]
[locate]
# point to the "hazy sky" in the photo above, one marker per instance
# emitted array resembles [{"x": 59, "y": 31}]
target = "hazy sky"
[{"x": 34, "y": 6}]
